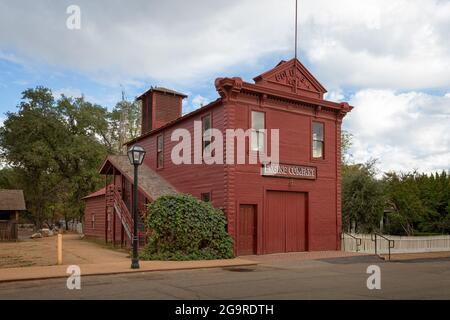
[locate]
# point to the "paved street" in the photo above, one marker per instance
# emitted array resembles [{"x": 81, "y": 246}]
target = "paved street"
[{"x": 278, "y": 278}]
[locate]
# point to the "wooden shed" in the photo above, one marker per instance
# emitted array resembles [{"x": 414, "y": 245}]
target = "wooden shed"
[
  {"x": 94, "y": 214},
  {"x": 11, "y": 202}
]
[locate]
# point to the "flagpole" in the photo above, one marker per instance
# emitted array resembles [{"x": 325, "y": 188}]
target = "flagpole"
[{"x": 296, "y": 5}]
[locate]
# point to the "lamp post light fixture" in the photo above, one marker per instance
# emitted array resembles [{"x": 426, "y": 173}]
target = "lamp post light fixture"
[{"x": 136, "y": 156}]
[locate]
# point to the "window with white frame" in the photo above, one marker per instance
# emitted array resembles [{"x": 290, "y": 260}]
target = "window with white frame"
[
  {"x": 317, "y": 140},
  {"x": 258, "y": 131}
]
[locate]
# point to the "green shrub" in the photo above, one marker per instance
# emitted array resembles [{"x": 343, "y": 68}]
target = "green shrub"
[{"x": 185, "y": 228}]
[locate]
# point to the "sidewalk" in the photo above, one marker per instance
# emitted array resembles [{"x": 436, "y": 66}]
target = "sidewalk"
[
  {"x": 418, "y": 256},
  {"x": 49, "y": 272}
]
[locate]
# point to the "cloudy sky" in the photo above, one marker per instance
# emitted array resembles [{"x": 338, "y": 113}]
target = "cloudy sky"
[{"x": 390, "y": 59}]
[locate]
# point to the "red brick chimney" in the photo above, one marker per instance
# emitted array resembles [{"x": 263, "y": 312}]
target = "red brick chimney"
[{"x": 159, "y": 106}]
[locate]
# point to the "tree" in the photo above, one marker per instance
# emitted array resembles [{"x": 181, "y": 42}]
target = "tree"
[
  {"x": 26, "y": 139},
  {"x": 124, "y": 124},
  {"x": 8, "y": 178},
  {"x": 54, "y": 148},
  {"x": 403, "y": 197},
  {"x": 434, "y": 190},
  {"x": 83, "y": 150},
  {"x": 411, "y": 203},
  {"x": 362, "y": 198},
  {"x": 419, "y": 202},
  {"x": 346, "y": 144}
]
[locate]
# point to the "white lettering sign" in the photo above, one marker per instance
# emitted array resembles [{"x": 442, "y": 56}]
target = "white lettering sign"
[{"x": 289, "y": 171}]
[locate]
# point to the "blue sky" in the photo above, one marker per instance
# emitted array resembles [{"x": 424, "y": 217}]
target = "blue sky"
[
  {"x": 388, "y": 58},
  {"x": 16, "y": 77}
]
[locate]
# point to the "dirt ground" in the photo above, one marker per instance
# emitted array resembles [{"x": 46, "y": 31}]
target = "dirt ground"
[{"x": 42, "y": 252}]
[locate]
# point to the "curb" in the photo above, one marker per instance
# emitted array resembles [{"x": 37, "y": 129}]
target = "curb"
[{"x": 57, "y": 272}]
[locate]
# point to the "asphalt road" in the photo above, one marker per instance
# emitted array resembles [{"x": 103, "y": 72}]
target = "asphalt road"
[{"x": 339, "y": 278}]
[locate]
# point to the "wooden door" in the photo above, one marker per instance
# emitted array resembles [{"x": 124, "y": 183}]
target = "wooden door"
[
  {"x": 284, "y": 222},
  {"x": 274, "y": 236},
  {"x": 295, "y": 221},
  {"x": 247, "y": 230}
]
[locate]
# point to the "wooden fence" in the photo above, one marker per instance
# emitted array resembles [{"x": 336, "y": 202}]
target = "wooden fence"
[
  {"x": 401, "y": 244},
  {"x": 8, "y": 230},
  {"x": 75, "y": 226}
]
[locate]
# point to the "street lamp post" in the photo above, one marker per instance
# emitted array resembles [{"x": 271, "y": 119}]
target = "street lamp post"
[{"x": 136, "y": 156}]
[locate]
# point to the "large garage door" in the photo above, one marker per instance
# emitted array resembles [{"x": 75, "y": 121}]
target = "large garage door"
[{"x": 284, "y": 222}]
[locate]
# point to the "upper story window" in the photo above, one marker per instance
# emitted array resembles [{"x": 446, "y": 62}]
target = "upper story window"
[
  {"x": 317, "y": 140},
  {"x": 159, "y": 151},
  {"x": 206, "y": 133},
  {"x": 258, "y": 131}
]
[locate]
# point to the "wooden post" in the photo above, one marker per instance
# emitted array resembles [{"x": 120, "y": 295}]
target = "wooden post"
[
  {"x": 113, "y": 212},
  {"x": 106, "y": 206},
  {"x": 59, "y": 248},
  {"x": 16, "y": 231}
]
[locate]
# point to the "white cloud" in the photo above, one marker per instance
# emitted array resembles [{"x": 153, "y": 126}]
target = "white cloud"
[
  {"x": 191, "y": 104},
  {"x": 405, "y": 131},
  {"x": 199, "y": 101},
  {"x": 100, "y": 99},
  {"x": 68, "y": 92},
  {"x": 335, "y": 95},
  {"x": 10, "y": 57},
  {"x": 400, "y": 44},
  {"x": 399, "y": 48}
]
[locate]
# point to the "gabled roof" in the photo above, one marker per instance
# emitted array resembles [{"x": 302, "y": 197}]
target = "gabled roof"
[
  {"x": 11, "y": 200},
  {"x": 149, "y": 182},
  {"x": 97, "y": 193},
  {"x": 286, "y": 71}
]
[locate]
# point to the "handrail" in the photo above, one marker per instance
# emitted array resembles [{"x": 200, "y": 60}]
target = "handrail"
[
  {"x": 123, "y": 220},
  {"x": 358, "y": 240},
  {"x": 114, "y": 199},
  {"x": 391, "y": 243},
  {"x": 123, "y": 213}
]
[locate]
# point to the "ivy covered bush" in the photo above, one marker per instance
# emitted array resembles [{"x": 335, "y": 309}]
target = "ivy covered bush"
[{"x": 185, "y": 228}]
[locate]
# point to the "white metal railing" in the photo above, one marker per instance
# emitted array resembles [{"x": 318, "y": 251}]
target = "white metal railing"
[{"x": 401, "y": 244}]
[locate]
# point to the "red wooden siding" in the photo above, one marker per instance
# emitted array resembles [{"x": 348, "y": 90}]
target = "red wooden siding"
[
  {"x": 294, "y": 122},
  {"x": 94, "y": 206},
  {"x": 159, "y": 108},
  {"x": 167, "y": 108},
  {"x": 194, "y": 179}
]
